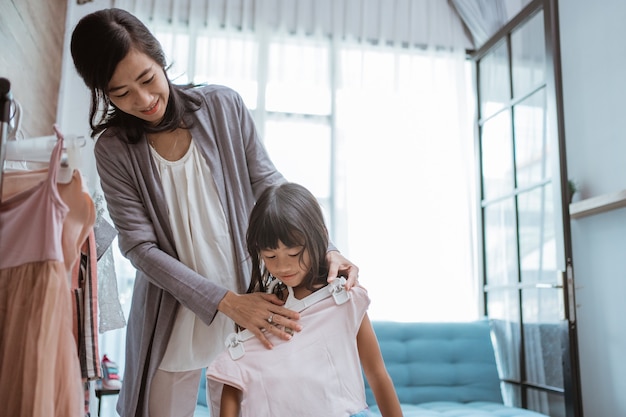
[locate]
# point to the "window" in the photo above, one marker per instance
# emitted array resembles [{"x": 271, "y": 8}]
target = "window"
[{"x": 382, "y": 136}]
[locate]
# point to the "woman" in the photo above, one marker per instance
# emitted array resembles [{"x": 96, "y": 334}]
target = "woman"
[{"x": 180, "y": 168}]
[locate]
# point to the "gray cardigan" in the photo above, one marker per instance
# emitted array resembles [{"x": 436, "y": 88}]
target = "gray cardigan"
[{"x": 224, "y": 132}]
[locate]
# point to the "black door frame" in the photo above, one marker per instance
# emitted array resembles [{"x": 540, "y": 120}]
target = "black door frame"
[{"x": 555, "y": 122}]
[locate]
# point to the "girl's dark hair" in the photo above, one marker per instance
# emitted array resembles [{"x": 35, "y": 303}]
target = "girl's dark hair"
[
  {"x": 291, "y": 214},
  {"x": 99, "y": 42}
]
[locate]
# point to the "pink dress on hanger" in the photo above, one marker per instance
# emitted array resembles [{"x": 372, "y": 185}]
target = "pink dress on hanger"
[{"x": 41, "y": 230}]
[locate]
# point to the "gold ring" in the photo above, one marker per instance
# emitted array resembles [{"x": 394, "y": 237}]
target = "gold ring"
[{"x": 270, "y": 319}]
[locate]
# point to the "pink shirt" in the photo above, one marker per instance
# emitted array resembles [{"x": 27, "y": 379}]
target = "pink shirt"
[{"x": 316, "y": 373}]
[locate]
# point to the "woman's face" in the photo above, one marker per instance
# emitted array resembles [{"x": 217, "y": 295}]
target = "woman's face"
[
  {"x": 139, "y": 87},
  {"x": 284, "y": 263}
]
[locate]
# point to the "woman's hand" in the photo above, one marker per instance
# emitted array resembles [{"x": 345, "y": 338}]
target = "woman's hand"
[
  {"x": 339, "y": 265},
  {"x": 260, "y": 313}
]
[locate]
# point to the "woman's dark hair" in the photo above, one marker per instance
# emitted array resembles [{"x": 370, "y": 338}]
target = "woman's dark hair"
[
  {"x": 99, "y": 42},
  {"x": 291, "y": 214}
]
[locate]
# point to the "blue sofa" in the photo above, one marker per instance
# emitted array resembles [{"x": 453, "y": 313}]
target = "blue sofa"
[
  {"x": 438, "y": 369},
  {"x": 443, "y": 369},
  {"x": 202, "y": 409}
]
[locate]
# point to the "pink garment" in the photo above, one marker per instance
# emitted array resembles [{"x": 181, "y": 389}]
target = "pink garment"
[
  {"x": 40, "y": 373},
  {"x": 316, "y": 373},
  {"x": 76, "y": 209},
  {"x": 33, "y": 219}
]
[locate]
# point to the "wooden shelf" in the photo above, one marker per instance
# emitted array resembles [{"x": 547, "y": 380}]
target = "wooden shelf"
[{"x": 597, "y": 205}]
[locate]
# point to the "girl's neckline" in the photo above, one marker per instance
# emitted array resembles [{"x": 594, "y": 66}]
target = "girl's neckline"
[{"x": 291, "y": 294}]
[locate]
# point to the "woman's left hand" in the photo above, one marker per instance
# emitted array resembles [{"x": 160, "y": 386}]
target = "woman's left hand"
[{"x": 339, "y": 265}]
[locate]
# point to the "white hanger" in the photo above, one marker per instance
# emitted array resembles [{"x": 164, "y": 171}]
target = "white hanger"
[{"x": 39, "y": 150}]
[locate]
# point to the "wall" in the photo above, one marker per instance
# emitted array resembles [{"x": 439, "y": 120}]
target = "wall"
[
  {"x": 593, "y": 54},
  {"x": 73, "y": 110},
  {"x": 31, "y": 35}
]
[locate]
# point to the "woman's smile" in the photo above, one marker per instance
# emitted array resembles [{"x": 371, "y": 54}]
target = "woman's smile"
[{"x": 153, "y": 109}]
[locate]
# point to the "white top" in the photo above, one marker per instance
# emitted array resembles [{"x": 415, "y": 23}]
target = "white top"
[{"x": 203, "y": 243}]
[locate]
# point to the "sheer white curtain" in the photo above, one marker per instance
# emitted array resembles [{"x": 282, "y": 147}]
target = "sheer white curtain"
[
  {"x": 484, "y": 18},
  {"x": 368, "y": 104},
  {"x": 406, "y": 166}
]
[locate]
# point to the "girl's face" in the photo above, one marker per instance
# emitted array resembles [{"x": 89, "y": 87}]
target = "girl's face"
[
  {"x": 284, "y": 263},
  {"x": 139, "y": 87}
]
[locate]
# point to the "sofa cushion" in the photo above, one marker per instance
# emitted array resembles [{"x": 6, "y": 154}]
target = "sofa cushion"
[{"x": 469, "y": 409}]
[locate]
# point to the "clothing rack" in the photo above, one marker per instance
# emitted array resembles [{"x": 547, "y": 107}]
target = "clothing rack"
[
  {"x": 5, "y": 105},
  {"x": 46, "y": 260},
  {"x": 34, "y": 149}
]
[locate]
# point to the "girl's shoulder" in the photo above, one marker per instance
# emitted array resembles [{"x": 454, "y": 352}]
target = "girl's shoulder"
[{"x": 359, "y": 291}]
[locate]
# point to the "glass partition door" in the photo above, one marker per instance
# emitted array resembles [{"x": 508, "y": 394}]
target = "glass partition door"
[{"x": 526, "y": 255}]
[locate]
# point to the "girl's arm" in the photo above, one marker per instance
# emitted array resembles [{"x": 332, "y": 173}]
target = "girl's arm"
[
  {"x": 375, "y": 371},
  {"x": 231, "y": 401}
]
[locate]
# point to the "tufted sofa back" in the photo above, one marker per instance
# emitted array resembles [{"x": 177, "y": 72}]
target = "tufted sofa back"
[{"x": 439, "y": 361}]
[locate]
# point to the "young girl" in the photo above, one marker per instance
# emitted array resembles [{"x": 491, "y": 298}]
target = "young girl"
[{"x": 318, "y": 372}]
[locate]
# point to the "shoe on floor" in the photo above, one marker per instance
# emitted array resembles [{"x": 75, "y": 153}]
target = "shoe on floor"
[{"x": 110, "y": 375}]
